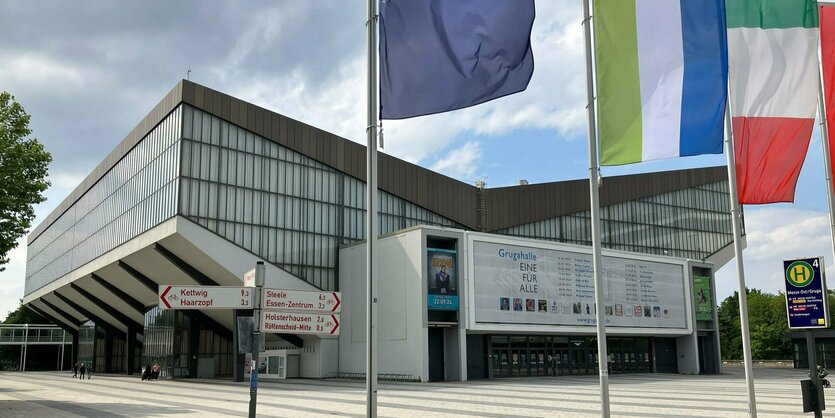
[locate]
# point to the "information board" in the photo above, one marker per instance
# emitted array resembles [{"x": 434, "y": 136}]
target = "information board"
[
  {"x": 806, "y": 302},
  {"x": 529, "y": 285}
]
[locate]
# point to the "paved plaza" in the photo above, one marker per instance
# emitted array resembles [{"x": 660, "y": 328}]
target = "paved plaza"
[{"x": 53, "y": 394}]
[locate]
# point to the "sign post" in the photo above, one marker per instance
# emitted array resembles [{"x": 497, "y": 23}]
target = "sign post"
[
  {"x": 807, "y": 308},
  {"x": 301, "y": 301},
  {"x": 205, "y": 297},
  {"x": 256, "y": 338},
  {"x": 301, "y": 312}
]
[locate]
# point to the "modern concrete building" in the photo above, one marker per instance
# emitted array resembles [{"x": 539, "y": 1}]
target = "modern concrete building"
[{"x": 206, "y": 185}]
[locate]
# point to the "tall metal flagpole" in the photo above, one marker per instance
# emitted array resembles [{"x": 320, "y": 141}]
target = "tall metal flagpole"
[
  {"x": 371, "y": 216},
  {"x": 827, "y": 161},
  {"x": 740, "y": 269},
  {"x": 599, "y": 300}
]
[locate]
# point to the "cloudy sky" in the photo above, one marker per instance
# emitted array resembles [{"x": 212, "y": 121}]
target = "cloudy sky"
[{"x": 88, "y": 72}]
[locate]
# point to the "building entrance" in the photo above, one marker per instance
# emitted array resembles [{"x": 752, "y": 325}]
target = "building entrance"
[{"x": 514, "y": 356}]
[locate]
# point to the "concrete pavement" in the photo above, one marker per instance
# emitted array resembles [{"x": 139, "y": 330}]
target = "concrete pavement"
[{"x": 53, "y": 394}]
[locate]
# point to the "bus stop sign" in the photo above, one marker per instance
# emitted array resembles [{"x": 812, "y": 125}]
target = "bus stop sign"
[{"x": 806, "y": 302}]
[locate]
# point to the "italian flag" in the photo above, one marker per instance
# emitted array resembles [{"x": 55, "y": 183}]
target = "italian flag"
[{"x": 772, "y": 48}]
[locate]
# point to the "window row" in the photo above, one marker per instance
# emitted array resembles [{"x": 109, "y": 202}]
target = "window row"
[
  {"x": 149, "y": 149},
  {"x": 147, "y": 168},
  {"x": 143, "y": 216},
  {"x": 202, "y": 127},
  {"x": 220, "y": 165}
]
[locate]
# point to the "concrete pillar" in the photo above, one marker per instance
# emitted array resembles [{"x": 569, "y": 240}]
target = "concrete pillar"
[
  {"x": 108, "y": 351},
  {"x": 74, "y": 356},
  {"x": 193, "y": 345},
  {"x": 130, "y": 352}
]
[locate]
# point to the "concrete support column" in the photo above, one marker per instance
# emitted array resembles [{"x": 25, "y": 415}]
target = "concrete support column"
[
  {"x": 193, "y": 345},
  {"x": 130, "y": 352},
  {"x": 74, "y": 356},
  {"x": 108, "y": 352}
]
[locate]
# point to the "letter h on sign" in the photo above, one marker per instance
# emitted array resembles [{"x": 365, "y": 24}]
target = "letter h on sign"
[{"x": 799, "y": 273}]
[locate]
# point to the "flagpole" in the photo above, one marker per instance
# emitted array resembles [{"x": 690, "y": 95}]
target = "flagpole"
[
  {"x": 599, "y": 299},
  {"x": 740, "y": 268},
  {"x": 827, "y": 160},
  {"x": 371, "y": 216}
]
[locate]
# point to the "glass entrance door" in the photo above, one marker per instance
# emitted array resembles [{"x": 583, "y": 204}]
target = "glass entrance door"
[{"x": 578, "y": 360}]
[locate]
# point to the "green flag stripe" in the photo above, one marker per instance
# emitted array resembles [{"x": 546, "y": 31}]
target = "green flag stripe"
[
  {"x": 618, "y": 82},
  {"x": 772, "y": 14}
]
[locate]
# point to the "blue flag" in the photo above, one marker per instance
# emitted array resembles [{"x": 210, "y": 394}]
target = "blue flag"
[{"x": 442, "y": 55}]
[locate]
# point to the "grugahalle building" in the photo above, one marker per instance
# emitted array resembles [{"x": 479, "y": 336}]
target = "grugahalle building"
[{"x": 207, "y": 184}]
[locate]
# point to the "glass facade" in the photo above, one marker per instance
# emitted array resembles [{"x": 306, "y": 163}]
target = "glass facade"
[
  {"x": 138, "y": 193},
  {"x": 159, "y": 336},
  {"x": 689, "y": 223},
  {"x": 168, "y": 340},
  {"x": 824, "y": 347},
  {"x": 287, "y": 208},
  {"x": 295, "y": 212},
  {"x": 86, "y": 342}
]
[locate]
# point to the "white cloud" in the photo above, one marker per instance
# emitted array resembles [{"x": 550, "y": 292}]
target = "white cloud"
[
  {"x": 12, "y": 279},
  {"x": 777, "y": 233},
  {"x": 41, "y": 72},
  {"x": 461, "y": 162},
  {"x": 65, "y": 181}
]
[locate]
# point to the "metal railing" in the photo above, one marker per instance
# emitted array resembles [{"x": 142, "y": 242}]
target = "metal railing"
[{"x": 13, "y": 334}]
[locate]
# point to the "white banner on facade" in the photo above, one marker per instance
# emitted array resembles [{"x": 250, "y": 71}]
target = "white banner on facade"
[{"x": 527, "y": 285}]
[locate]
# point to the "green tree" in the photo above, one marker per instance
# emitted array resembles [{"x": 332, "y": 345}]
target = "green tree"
[
  {"x": 767, "y": 324},
  {"x": 24, "y": 315},
  {"x": 729, "y": 329},
  {"x": 23, "y": 172}
]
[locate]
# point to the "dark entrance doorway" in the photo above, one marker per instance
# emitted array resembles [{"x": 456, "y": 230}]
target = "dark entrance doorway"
[
  {"x": 436, "y": 354},
  {"x": 666, "y": 359},
  {"x": 708, "y": 361},
  {"x": 476, "y": 357}
]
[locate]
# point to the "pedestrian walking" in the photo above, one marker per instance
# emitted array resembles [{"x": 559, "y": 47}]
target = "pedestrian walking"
[
  {"x": 81, "y": 371},
  {"x": 75, "y": 370},
  {"x": 90, "y": 372}
]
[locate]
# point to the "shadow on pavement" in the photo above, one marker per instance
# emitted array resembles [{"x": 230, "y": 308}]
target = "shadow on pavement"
[{"x": 46, "y": 408}]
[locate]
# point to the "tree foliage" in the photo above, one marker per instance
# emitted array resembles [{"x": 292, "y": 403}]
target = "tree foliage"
[
  {"x": 767, "y": 323},
  {"x": 729, "y": 329},
  {"x": 24, "y": 315},
  {"x": 23, "y": 173}
]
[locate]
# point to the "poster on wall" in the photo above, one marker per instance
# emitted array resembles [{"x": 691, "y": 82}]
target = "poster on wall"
[
  {"x": 537, "y": 286},
  {"x": 703, "y": 298},
  {"x": 442, "y": 282}
]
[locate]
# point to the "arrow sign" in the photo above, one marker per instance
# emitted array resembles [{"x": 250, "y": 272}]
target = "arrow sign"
[
  {"x": 300, "y": 323},
  {"x": 205, "y": 297},
  {"x": 302, "y": 301}
]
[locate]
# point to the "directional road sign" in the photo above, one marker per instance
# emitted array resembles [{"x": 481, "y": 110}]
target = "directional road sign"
[
  {"x": 300, "y": 323},
  {"x": 806, "y": 303},
  {"x": 205, "y": 297},
  {"x": 302, "y": 301}
]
